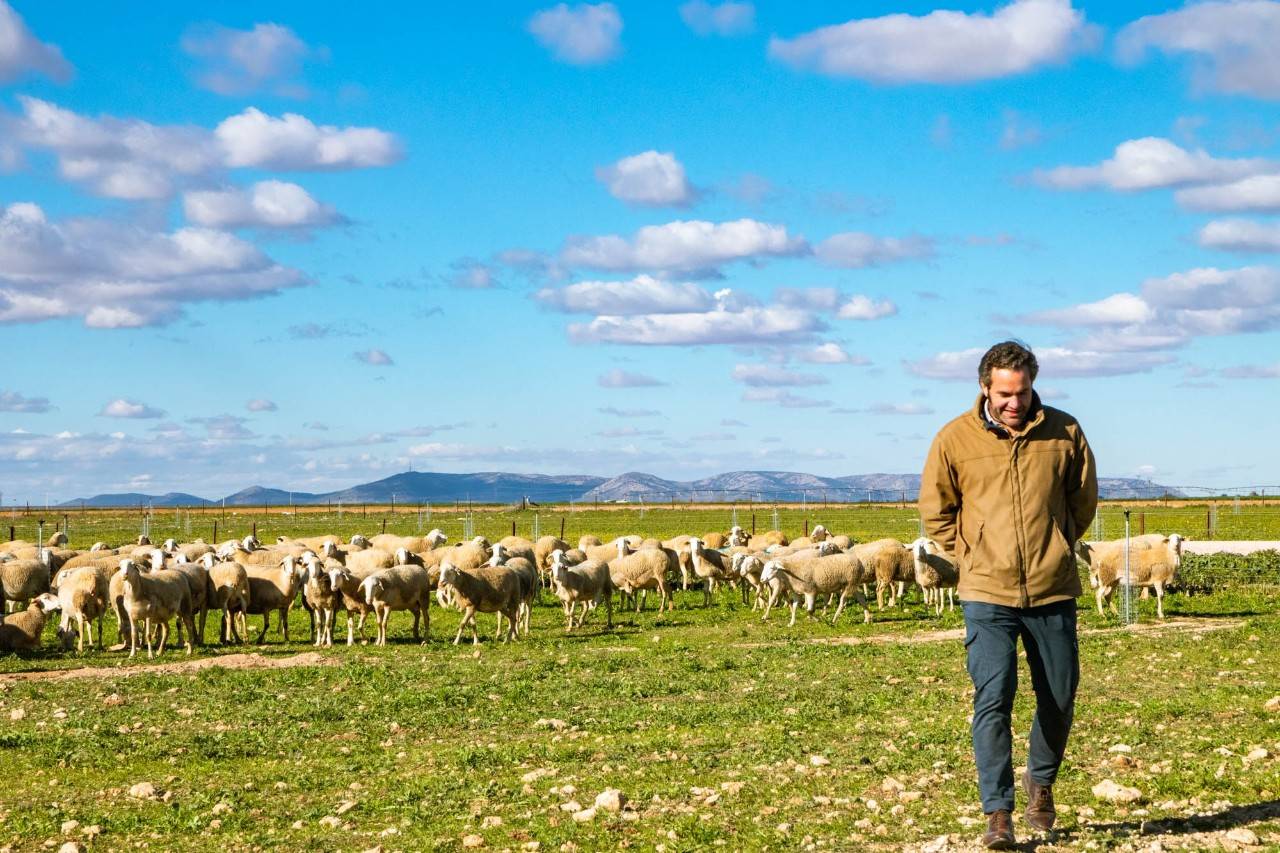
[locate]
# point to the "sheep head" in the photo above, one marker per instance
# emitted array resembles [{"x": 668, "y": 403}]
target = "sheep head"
[
  {"x": 170, "y": 544},
  {"x": 338, "y": 578},
  {"x": 558, "y": 572},
  {"x": 499, "y": 551},
  {"x": 370, "y": 587},
  {"x": 436, "y": 537},
  {"x": 402, "y": 556},
  {"x": 770, "y": 570},
  {"x": 328, "y": 549},
  {"x": 448, "y": 573},
  {"x": 207, "y": 560},
  {"x": 360, "y": 539},
  {"x": 47, "y": 602}
]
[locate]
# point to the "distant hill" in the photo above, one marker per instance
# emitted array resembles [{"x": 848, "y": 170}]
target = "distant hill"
[{"x": 414, "y": 487}]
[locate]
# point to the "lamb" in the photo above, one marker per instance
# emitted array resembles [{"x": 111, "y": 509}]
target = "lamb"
[
  {"x": 1152, "y": 567},
  {"x": 748, "y": 567},
  {"x": 936, "y": 572},
  {"x": 323, "y": 596},
  {"x": 643, "y": 570},
  {"x": 273, "y": 589},
  {"x": 229, "y": 592},
  {"x": 483, "y": 590},
  {"x": 23, "y": 579},
  {"x": 22, "y": 631},
  {"x": 837, "y": 573},
  {"x": 398, "y": 588},
  {"x": 710, "y": 565},
  {"x": 155, "y": 597},
  {"x": 587, "y": 584},
  {"x": 82, "y": 594}
]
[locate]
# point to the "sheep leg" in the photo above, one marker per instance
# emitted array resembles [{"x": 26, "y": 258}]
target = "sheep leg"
[
  {"x": 383, "y": 614},
  {"x": 839, "y": 608},
  {"x": 513, "y": 619},
  {"x": 1098, "y": 595},
  {"x": 951, "y": 599},
  {"x": 266, "y": 618},
  {"x": 862, "y": 599},
  {"x": 133, "y": 640},
  {"x": 1159, "y": 585},
  {"x": 191, "y": 629},
  {"x": 284, "y": 621},
  {"x": 424, "y": 607},
  {"x": 417, "y": 624},
  {"x": 902, "y": 590},
  {"x": 879, "y": 595}
]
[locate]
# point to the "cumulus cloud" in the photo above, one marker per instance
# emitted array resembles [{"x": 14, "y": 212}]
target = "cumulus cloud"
[
  {"x": 1240, "y": 235},
  {"x": 856, "y": 250},
  {"x": 12, "y": 401},
  {"x": 133, "y": 159},
  {"x": 374, "y": 357},
  {"x": 1255, "y": 194},
  {"x": 1119, "y": 309},
  {"x": 683, "y": 246},
  {"x": 585, "y": 34},
  {"x": 619, "y": 378},
  {"x": 865, "y": 308},
  {"x": 771, "y": 376},
  {"x": 641, "y": 295},
  {"x": 830, "y": 353},
  {"x": 1232, "y": 44},
  {"x": 648, "y": 179},
  {"x": 115, "y": 275},
  {"x": 261, "y": 404},
  {"x": 266, "y": 204},
  {"x": 750, "y": 325},
  {"x": 224, "y": 428},
  {"x": 123, "y": 408},
  {"x": 1152, "y": 163},
  {"x": 1057, "y": 362},
  {"x": 472, "y": 274},
  {"x": 1253, "y": 371},
  {"x": 942, "y": 47},
  {"x": 782, "y": 398},
  {"x": 267, "y": 58},
  {"x": 899, "y": 409},
  {"x": 720, "y": 19},
  {"x": 21, "y": 53}
]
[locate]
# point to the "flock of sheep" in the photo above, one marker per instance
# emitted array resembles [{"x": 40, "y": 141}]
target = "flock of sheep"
[{"x": 147, "y": 587}]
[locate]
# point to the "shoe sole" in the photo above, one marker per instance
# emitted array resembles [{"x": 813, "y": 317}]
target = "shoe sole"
[{"x": 1002, "y": 844}]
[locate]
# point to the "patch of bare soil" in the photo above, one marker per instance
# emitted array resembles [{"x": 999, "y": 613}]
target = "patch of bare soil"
[{"x": 252, "y": 660}]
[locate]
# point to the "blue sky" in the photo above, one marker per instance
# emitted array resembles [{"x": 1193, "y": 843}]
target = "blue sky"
[{"x": 306, "y": 247}]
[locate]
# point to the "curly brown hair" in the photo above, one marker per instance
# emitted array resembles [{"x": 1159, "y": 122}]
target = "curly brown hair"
[{"x": 1007, "y": 355}]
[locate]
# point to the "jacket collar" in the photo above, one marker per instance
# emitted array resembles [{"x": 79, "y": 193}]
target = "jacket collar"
[{"x": 999, "y": 430}]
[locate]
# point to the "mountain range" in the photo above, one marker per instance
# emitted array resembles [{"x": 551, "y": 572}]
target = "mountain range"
[{"x": 418, "y": 487}]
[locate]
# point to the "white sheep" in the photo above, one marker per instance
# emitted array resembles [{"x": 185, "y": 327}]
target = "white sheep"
[
  {"x": 399, "y": 588},
  {"x": 273, "y": 588},
  {"x": 710, "y": 565},
  {"x": 587, "y": 584},
  {"x": 229, "y": 592},
  {"x": 323, "y": 596},
  {"x": 82, "y": 594},
  {"x": 483, "y": 590},
  {"x": 21, "y": 631},
  {"x": 155, "y": 597},
  {"x": 1152, "y": 567},
  {"x": 842, "y": 573},
  {"x": 936, "y": 573}
]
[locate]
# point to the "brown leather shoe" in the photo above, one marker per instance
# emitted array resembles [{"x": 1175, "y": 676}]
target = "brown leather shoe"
[
  {"x": 999, "y": 834},
  {"x": 1040, "y": 812}
]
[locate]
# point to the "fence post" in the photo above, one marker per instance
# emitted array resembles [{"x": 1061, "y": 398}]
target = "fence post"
[
  {"x": 806, "y": 527},
  {"x": 753, "y": 524},
  {"x": 215, "y": 531},
  {"x": 11, "y": 537},
  {"x": 562, "y": 528},
  {"x": 384, "y": 525},
  {"x": 1142, "y": 524},
  {"x": 513, "y": 528},
  {"x": 255, "y": 530},
  {"x": 1208, "y": 522}
]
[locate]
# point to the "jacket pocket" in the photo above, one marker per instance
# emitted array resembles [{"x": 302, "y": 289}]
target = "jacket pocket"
[{"x": 974, "y": 562}]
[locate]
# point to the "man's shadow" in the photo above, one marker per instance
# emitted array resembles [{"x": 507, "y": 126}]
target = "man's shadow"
[{"x": 1153, "y": 829}]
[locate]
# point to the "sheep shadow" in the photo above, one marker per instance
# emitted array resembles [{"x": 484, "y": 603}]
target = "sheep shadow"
[{"x": 1128, "y": 830}]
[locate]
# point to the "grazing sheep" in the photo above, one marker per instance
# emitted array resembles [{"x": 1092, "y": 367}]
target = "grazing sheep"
[
  {"x": 587, "y": 584},
  {"x": 201, "y": 591},
  {"x": 738, "y": 538},
  {"x": 273, "y": 588},
  {"x": 155, "y": 597},
  {"x": 22, "y": 631},
  {"x": 837, "y": 573},
  {"x": 936, "y": 572},
  {"x": 748, "y": 567},
  {"x": 347, "y": 581},
  {"x": 82, "y": 594},
  {"x": 542, "y": 551},
  {"x": 1151, "y": 567},
  {"x": 643, "y": 570},
  {"x": 399, "y": 588},
  {"x": 529, "y": 578},
  {"x": 710, "y": 565},
  {"x": 714, "y": 539},
  {"x": 588, "y": 541},
  {"x": 483, "y": 590},
  {"x": 229, "y": 592},
  {"x": 893, "y": 565},
  {"x": 23, "y": 579}
]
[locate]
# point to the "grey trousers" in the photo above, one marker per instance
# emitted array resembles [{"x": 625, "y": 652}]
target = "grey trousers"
[{"x": 991, "y": 640}]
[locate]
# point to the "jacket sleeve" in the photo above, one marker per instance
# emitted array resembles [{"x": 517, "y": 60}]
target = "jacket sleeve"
[
  {"x": 1082, "y": 486},
  {"x": 939, "y": 497}
]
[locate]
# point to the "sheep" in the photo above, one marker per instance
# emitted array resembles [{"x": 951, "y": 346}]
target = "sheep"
[
  {"x": 715, "y": 539},
  {"x": 588, "y": 541},
  {"x": 22, "y": 631},
  {"x": 390, "y": 542},
  {"x": 893, "y": 566},
  {"x": 841, "y": 541},
  {"x": 738, "y": 537},
  {"x": 748, "y": 567},
  {"x": 370, "y": 558},
  {"x": 819, "y": 533},
  {"x": 542, "y": 551},
  {"x": 57, "y": 540},
  {"x": 774, "y": 537},
  {"x": 609, "y": 550},
  {"x": 155, "y": 596},
  {"x": 528, "y": 574},
  {"x": 792, "y": 561},
  {"x": 680, "y": 544},
  {"x": 347, "y": 581},
  {"x": 1151, "y": 567},
  {"x": 229, "y": 592},
  {"x": 710, "y": 565},
  {"x": 23, "y": 579},
  {"x": 398, "y": 588},
  {"x": 587, "y": 584},
  {"x": 1090, "y": 553},
  {"x": 842, "y": 573},
  {"x": 643, "y": 570},
  {"x": 201, "y": 591},
  {"x": 936, "y": 572},
  {"x": 82, "y": 594},
  {"x": 484, "y": 590},
  {"x": 322, "y": 596},
  {"x": 273, "y": 589}
]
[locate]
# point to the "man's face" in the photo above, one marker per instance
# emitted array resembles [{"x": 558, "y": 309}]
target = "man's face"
[{"x": 1009, "y": 396}]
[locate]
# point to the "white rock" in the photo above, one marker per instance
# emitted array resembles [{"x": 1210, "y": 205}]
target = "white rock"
[
  {"x": 611, "y": 800},
  {"x": 1120, "y": 747},
  {"x": 490, "y": 822},
  {"x": 1112, "y": 792},
  {"x": 472, "y": 841},
  {"x": 585, "y": 816},
  {"x": 1256, "y": 754},
  {"x": 1244, "y": 835},
  {"x": 819, "y": 760},
  {"x": 571, "y": 806},
  {"x": 21, "y": 713},
  {"x": 1272, "y": 704},
  {"x": 331, "y": 821},
  {"x": 70, "y": 826},
  {"x": 72, "y": 847},
  {"x": 142, "y": 791},
  {"x": 535, "y": 775}
]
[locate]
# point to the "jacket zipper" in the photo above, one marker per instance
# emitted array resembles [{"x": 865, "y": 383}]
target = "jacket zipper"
[{"x": 1024, "y": 600}]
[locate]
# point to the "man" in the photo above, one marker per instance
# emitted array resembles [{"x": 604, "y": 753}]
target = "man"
[{"x": 1007, "y": 488}]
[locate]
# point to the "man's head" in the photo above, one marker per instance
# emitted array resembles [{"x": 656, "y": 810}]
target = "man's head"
[{"x": 1005, "y": 375}]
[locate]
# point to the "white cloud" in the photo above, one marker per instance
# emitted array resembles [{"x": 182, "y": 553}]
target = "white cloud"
[
  {"x": 899, "y": 409},
  {"x": 628, "y": 432},
  {"x": 254, "y": 139},
  {"x": 374, "y": 357},
  {"x": 683, "y": 245},
  {"x": 648, "y": 179},
  {"x": 782, "y": 398},
  {"x": 770, "y": 376},
  {"x": 856, "y": 250},
  {"x": 752, "y": 325},
  {"x": 1257, "y": 194},
  {"x": 941, "y": 47},
  {"x": 116, "y": 275},
  {"x": 267, "y": 58},
  {"x": 1240, "y": 235},
  {"x": 584, "y": 34},
  {"x": 618, "y": 378},
  {"x": 641, "y": 295},
  {"x": 722, "y": 19},
  {"x": 1253, "y": 371},
  {"x": 122, "y": 408},
  {"x": 22, "y": 53},
  {"x": 471, "y": 274},
  {"x": 1151, "y": 163},
  {"x": 1232, "y": 44},
  {"x": 1055, "y": 362},
  {"x": 12, "y": 401},
  {"x": 830, "y": 353},
  {"x": 1119, "y": 309},
  {"x": 266, "y": 204},
  {"x": 1019, "y": 132},
  {"x": 628, "y": 413},
  {"x": 224, "y": 428},
  {"x": 864, "y": 308},
  {"x": 261, "y": 404}
]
